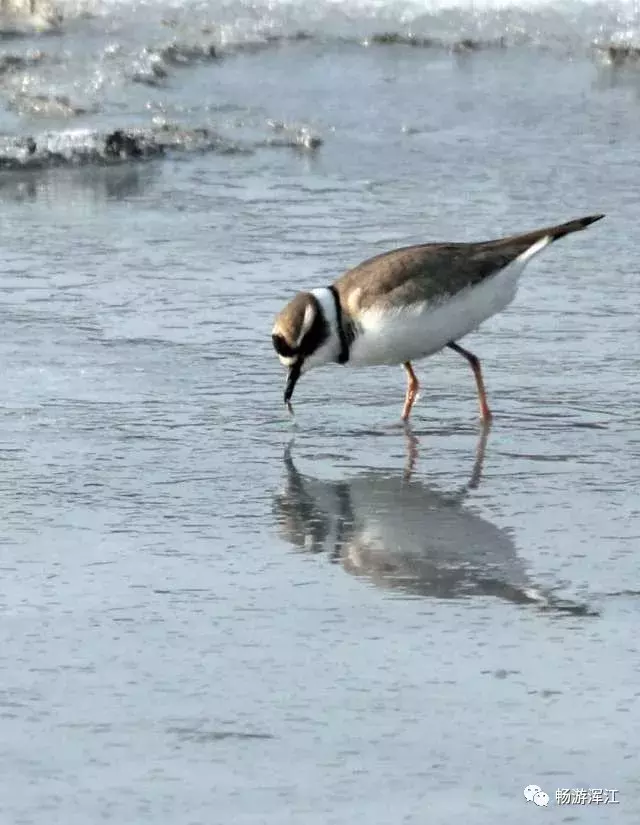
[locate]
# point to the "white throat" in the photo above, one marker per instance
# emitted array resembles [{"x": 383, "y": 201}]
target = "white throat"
[{"x": 330, "y": 350}]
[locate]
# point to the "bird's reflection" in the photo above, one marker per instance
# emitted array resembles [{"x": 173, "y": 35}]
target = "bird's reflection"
[{"x": 401, "y": 534}]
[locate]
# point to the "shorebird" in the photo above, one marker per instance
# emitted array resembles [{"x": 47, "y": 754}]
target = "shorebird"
[{"x": 407, "y": 304}]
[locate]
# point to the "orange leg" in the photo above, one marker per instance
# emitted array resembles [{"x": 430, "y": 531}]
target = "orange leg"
[
  {"x": 485, "y": 412},
  {"x": 412, "y": 390}
]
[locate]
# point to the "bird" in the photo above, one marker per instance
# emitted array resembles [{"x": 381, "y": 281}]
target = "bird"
[{"x": 407, "y": 304}]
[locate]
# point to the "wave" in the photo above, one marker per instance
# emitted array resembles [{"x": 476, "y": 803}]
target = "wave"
[
  {"x": 203, "y": 30},
  {"x": 80, "y": 147},
  {"x": 237, "y": 21},
  {"x": 105, "y": 53}
]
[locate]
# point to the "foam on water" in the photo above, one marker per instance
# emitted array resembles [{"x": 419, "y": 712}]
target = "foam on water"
[
  {"x": 570, "y": 23},
  {"x": 318, "y": 13}
]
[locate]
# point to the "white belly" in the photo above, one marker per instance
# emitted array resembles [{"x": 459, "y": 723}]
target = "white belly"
[{"x": 414, "y": 332}]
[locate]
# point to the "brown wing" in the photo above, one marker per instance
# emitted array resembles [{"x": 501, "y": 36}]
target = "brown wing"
[{"x": 429, "y": 271}]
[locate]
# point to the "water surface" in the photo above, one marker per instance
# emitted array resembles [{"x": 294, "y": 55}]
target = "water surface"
[{"x": 213, "y": 614}]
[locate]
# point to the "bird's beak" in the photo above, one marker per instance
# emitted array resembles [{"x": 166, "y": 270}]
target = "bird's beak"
[{"x": 292, "y": 380}]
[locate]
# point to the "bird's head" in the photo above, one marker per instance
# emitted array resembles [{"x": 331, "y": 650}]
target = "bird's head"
[{"x": 304, "y": 335}]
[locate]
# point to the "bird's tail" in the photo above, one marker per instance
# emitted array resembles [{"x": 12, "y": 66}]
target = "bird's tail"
[
  {"x": 572, "y": 226},
  {"x": 555, "y": 232}
]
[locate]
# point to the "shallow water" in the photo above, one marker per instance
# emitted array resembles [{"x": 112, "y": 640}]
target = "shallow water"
[{"x": 212, "y": 613}]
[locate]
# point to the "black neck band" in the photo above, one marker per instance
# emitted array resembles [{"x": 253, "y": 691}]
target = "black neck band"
[{"x": 343, "y": 357}]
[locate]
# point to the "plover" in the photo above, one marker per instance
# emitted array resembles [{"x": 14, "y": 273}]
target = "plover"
[{"x": 407, "y": 304}]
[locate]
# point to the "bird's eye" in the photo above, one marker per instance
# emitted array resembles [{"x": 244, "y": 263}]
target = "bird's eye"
[{"x": 282, "y": 348}]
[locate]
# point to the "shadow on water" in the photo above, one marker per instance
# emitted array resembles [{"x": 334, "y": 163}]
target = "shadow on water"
[{"x": 401, "y": 534}]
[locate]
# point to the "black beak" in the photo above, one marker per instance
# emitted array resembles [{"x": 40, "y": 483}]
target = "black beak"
[{"x": 292, "y": 380}]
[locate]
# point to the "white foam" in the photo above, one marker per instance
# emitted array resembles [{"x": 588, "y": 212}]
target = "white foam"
[
  {"x": 563, "y": 22},
  {"x": 403, "y": 11}
]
